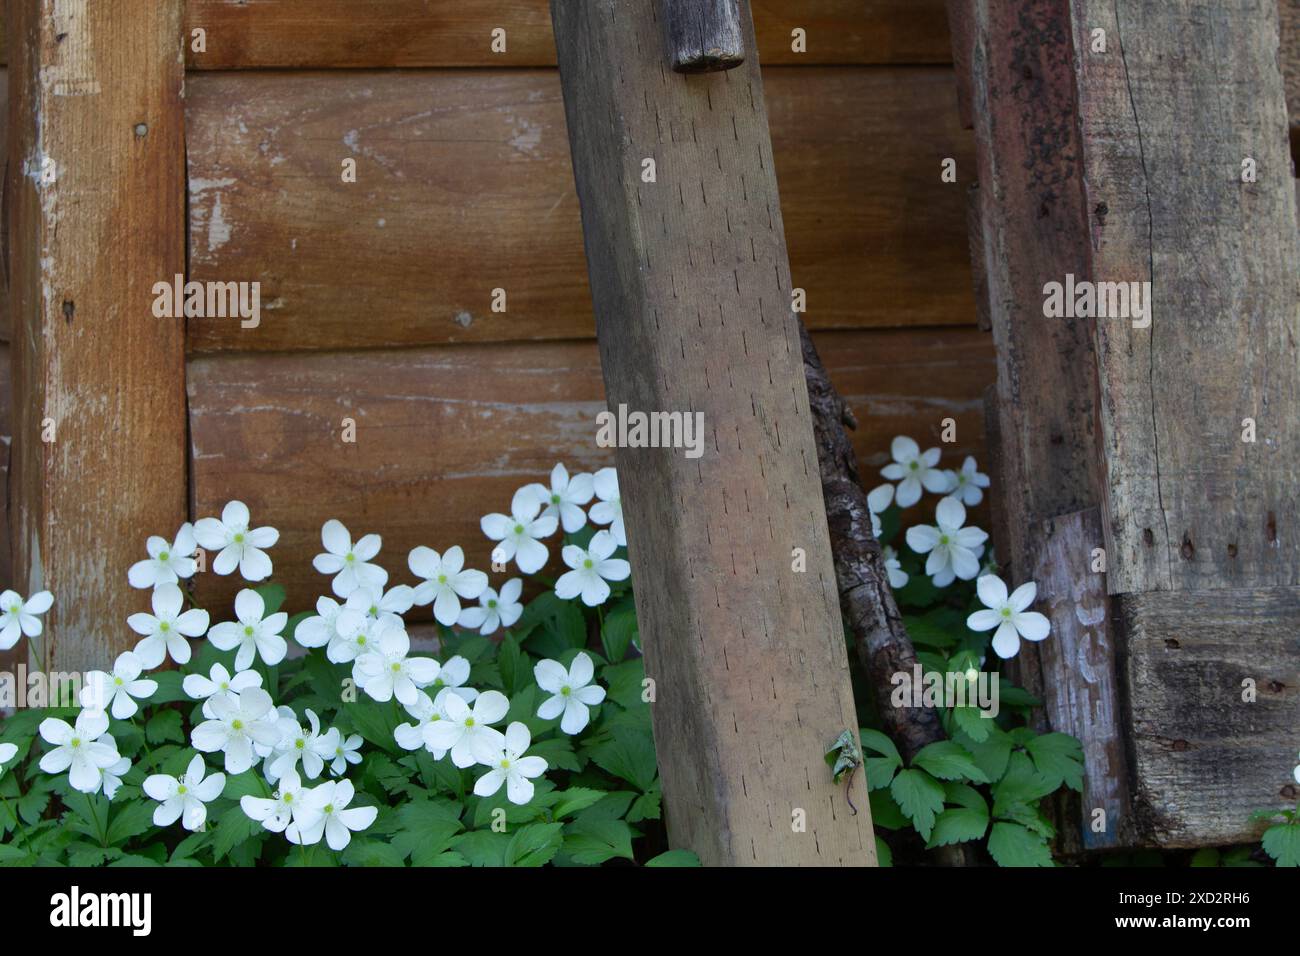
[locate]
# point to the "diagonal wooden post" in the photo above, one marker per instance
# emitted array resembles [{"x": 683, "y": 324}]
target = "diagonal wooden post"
[
  {"x": 96, "y": 217},
  {"x": 736, "y": 591}
]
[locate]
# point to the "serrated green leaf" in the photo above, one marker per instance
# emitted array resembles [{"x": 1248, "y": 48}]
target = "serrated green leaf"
[
  {"x": 972, "y": 724},
  {"x": 884, "y": 855},
  {"x": 272, "y": 596},
  {"x": 674, "y": 858},
  {"x": 128, "y": 820},
  {"x": 920, "y": 797},
  {"x": 574, "y": 799},
  {"x": 592, "y": 842},
  {"x": 1059, "y": 758},
  {"x": 949, "y": 760},
  {"x": 534, "y": 845},
  {"x": 629, "y": 756},
  {"x": 616, "y": 635},
  {"x": 482, "y": 847},
  {"x": 1012, "y": 845},
  {"x": 880, "y": 769},
  {"x": 1282, "y": 843},
  {"x": 163, "y": 726},
  {"x": 958, "y": 825},
  {"x": 885, "y": 813}
]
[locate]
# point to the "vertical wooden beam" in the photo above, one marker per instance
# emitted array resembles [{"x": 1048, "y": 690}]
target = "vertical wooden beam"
[
  {"x": 691, "y": 284},
  {"x": 702, "y": 35},
  {"x": 96, "y": 216}
]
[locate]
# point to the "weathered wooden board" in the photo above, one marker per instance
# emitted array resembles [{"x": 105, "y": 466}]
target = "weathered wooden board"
[
  {"x": 10, "y": 657},
  {"x": 445, "y": 435},
  {"x": 1205, "y": 754},
  {"x": 96, "y": 207},
  {"x": 1289, "y": 12},
  {"x": 1189, "y": 503},
  {"x": 464, "y": 185},
  {"x": 420, "y": 33},
  {"x": 1080, "y": 683},
  {"x": 691, "y": 285}
]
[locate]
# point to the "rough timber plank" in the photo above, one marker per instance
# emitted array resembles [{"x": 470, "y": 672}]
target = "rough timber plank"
[
  {"x": 445, "y": 435},
  {"x": 1079, "y": 679},
  {"x": 463, "y": 178},
  {"x": 1187, "y": 91},
  {"x": 693, "y": 313},
  {"x": 420, "y": 33},
  {"x": 1205, "y": 757},
  {"x": 96, "y": 91}
]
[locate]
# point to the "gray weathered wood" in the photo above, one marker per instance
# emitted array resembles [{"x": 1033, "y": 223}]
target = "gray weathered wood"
[
  {"x": 691, "y": 288},
  {"x": 1204, "y": 757},
  {"x": 702, "y": 36},
  {"x": 1080, "y": 685},
  {"x": 1184, "y": 94}
]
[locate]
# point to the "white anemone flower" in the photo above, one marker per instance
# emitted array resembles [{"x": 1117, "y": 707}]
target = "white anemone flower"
[
  {"x": 952, "y": 548},
  {"x": 512, "y": 768},
  {"x": 348, "y": 562},
  {"x": 18, "y": 617},
  {"x": 118, "y": 689},
  {"x": 167, "y": 562},
  {"x": 444, "y": 581},
  {"x": 424, "y": 711},
  {"x": 253, "y": 634},
  {"x": 878, "y": 499},
  {"x": 286, "y": 806},
  {"x": 913, "y": 470},
  {"x": 1297, "y": 769},
  {"x": 967, "y": 484},
  {"x": 572, "y": 692},
  {"x": 331, "y": 816},
  {"x": 496, "y": 609},
  {"x": 452, "y": 677},
  {"x": 378, "y": 604},
  {"x": 465, "y": 731},
  {"x": 346, "y": 751},
  {"x": 319, "y": 629},
  {"x": 166, "y": 629},
  {"x": 591, "y": 569},
  {"x": 519, "y": 531},
  {"x": 7, "y": 752},
  {"x": 609, "y": 509},
  {"x": 240, "y": 547},
  {"x": 897, "y": 576},
  {"x": 299, "y": 743},
  {"x": 385, "y": 671},
  {"x": 1009, "y": 614},
  {"x": 112, "y": 777},
  {"x": 566, "y": 497},
  {"x": 219, "y": 683},
  {"x": 184, "y": 798},
  {"x": 85, "y": 750},
  {"x": 237, "y": 724}
]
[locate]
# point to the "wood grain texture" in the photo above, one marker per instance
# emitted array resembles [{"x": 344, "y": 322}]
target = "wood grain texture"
[
  {"x": 1190, "y": 504},
  {"x": 18, "y": 652},
  {"x": 692, "y": 303},
  {"x": 96, "y": 197},
  {"x": 1204, "y": 755},
  {"x": 1080, "y": 682},
  {"x": 423, "y": 33},
  {"x": 1289, "y": 14},
  {"x": 445, "y": 435},
  {"x": 1030, "y": 229},
  {"x": 701, "y": 36},
  {"x": 464, "y": 185}
]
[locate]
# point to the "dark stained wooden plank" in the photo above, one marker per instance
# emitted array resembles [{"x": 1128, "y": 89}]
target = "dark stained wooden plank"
[
  {"x": 701, "y": 36},
  {"x": 464, "y": 185},
  {"x": 1205, "y": 755},
  {"x": 1189, "y": 504},
  {"x": 446, "y": 435},
  {"x": 96, "y": 91},
  {"x": 424, "y": 33}
]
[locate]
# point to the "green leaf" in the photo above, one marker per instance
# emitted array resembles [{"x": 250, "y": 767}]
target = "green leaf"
[
  {"x": 939, "y": 627},
  {"x": 958, "y": 825},
  {"x": 574, "y": 799},
  {"x": 482, "y": 847},
  {"x": 592, "y": 842},
  {"x": 920, "y": 797},
  {"x": 1059, "y": 758},
  {"x": 515, "y": 666},
  {"x": 1205, "y": 856},
  {"x": 885, "y": 813},
  {"x": 646, "y": 807},
  {"x": 616, "y": 635},
  {"x": 557, "y": 752},
  {"x": 364, "y": 852},
  {"x": 949, "y": 760},
  {"x": 972, "y": 724},
  {"x": 884, "y": 855},
  {"x": 163, "y": 726},
  {"x": 534, "y": 845},
  {"x": 990, "y": 755},
  {"x": 880, "y": 770},
  {"x": 674, "y": 858},
  {"x": 169, "y": 689},
  {"x": 629, "y": 756},
  {"x": 553, "y": 625},
  {"x": 1282, "y": 843},
  {"x": 1012, "y": 845},
  {"x": 233, "y": 828},
  {"x": 129, "y": 820}
]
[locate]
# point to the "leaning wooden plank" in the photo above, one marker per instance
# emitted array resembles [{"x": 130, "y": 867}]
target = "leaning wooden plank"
[
  {"x": 1289, "y": 13},
  {"x": 1200, "y": 410},
  {"x": 1211, "y": 679},
  {"x": 9, "y": 658},
  {"x": 471, "y": 171},
  {"x": 464, "y": 426},
  {"x": 4, "y": 151},
  {"x": 1080, "y": 679},
  {"x": 421, "y": 33},
  {"x": 96, "y": 193},
  {"x": 691, "y": 286}
]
